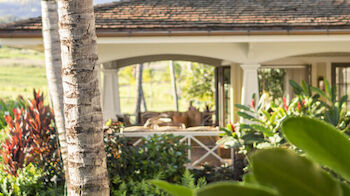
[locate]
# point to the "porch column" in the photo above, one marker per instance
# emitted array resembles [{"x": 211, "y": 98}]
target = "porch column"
[
  {"x": 250, "y": 83},
  {"x": 236, "y": 86},
  {"x": 110, "y": 94}
]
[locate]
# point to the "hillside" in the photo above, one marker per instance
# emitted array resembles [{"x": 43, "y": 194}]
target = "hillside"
[{"x": 11, "y": 10}]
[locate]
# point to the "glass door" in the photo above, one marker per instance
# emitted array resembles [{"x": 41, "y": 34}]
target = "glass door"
[{"x": 223, "y": 95}]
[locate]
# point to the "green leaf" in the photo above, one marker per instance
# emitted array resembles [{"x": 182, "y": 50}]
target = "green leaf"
[
  {"x": 319, "y": 91},
  {"x": 173, "y": 189},
  {"x": 262, "y": 129},
  {"x": 243, "y": 107},
  {"x": 328, "y": 90},
  {"x": 306, "y": 88},
  {"x": 296, "y": 87},
  {"x": 292, "y": 174},
  {"x": 321, "y": 141},
  {"x": 249, "y": 178},
  {"x": 231, "y": 188},
  {"x": 227, "y": 131},
  {"x": 342, "y": 100},
  {"x": 345, "y": 188},
  {"x": 246, "y": 116}
]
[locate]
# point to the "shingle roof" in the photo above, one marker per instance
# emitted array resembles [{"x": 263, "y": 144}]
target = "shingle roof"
[{"x": 176, "y": 16}]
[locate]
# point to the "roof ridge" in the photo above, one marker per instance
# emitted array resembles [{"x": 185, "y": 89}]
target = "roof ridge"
[{"x": 140, "y": 16}]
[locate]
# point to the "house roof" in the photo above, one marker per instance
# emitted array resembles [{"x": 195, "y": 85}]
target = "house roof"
[{"x": 208, "y": 17}]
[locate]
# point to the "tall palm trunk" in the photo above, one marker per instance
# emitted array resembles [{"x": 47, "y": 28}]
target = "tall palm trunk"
[
  {"x": 139, "y": 96},
  {"x": 82, "y": 107},
  {"x": 53, "y": 71},
  {"x": 173, "y": 82}
]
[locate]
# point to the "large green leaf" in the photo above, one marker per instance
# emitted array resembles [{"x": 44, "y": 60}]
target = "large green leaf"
[
  {"x": 321, "y": 141},
  {"x": 262, "y": 129},
  {"x": 292, "y": 174},
  {"x": 231, "y": 189},
  {"x": 173, "y": 189},
  {"x": 346, "y": 189}
]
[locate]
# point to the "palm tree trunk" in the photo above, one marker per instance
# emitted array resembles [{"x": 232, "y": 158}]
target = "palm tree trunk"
[
  {"x": 82, "y": 107},
  {"x": 53, "y": 72},
  {"x": 173, "y": 81},
  {"x": 139, "y": 73}
]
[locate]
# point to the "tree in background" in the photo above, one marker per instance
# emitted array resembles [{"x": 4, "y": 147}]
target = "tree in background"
[
  {"x": 199, "y": 85},
  {"x": 53, "y": 71},
  {"x": 271, "y": 81},
  {"x": 82, "y": 107}
]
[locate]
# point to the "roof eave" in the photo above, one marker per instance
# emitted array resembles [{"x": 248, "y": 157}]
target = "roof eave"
[{"x": 132, "y": 33}]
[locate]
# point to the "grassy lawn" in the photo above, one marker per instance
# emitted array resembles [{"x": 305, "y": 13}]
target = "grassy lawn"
[
  {"x": 20, "y": 80},
  {"x": 11, "y": 53}
]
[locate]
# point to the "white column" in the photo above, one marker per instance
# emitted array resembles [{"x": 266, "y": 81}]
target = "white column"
[
  {"x": 250, "y": 83},
  {"x": 110, "y": 94}
]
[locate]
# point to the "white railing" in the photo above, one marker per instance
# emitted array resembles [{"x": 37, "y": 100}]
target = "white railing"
[{"x": 188, "y": 136}]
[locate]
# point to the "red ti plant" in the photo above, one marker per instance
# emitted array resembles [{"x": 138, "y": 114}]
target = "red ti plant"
[
  {"x": 31, "y": 137},
  {"x": 17, "y": 150},
  {"x": 39, "y": 121}
]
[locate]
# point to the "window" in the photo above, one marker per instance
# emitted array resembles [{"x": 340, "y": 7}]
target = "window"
[{"x": 341, "y": 79}]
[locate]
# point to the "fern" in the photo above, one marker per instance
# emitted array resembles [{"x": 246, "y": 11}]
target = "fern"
[{"x": 189, "y": 181}]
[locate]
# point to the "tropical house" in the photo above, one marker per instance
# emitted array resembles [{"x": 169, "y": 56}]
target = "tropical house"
[{"x": 309, "y": 39}]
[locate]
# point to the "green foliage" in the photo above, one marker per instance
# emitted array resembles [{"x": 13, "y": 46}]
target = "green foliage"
[
  {"x": 26, "y": 183},
  {"x": 292, "y": 174},
  {"x": 158, "y": 157},
  {"x": 321, "y": 141},
  {"x": 199, "y": 85},
  {"x": 213, "y": 174},
  {"x": 31, "y": 140},
  {"x": 279, "y": 171},
  {"x": 264, "y": 127},
  {"x": 173, "y": 189},
  {"x": 271, "y": 81},
  {"x": 188, "y": 181},
  {"x": 229, "y": 189},
  {"x": 6, "y": 108},
  {"x": 136, "y": 188}
]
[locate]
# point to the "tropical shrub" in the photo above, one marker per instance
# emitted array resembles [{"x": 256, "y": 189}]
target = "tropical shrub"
[
  {"x": 262, "y": 125},
  {"x": 26, "y": 182},
  {"x": 159, "y": 156},
  {"x": 6, "y": 108},
  {"x": 214, "y": 174},
  {"x": 280, "y": 171},
  {"x": 32, "y": 139}
]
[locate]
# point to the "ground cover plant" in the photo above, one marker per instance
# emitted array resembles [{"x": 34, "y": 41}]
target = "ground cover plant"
[{"x": 280, "y": 171}]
